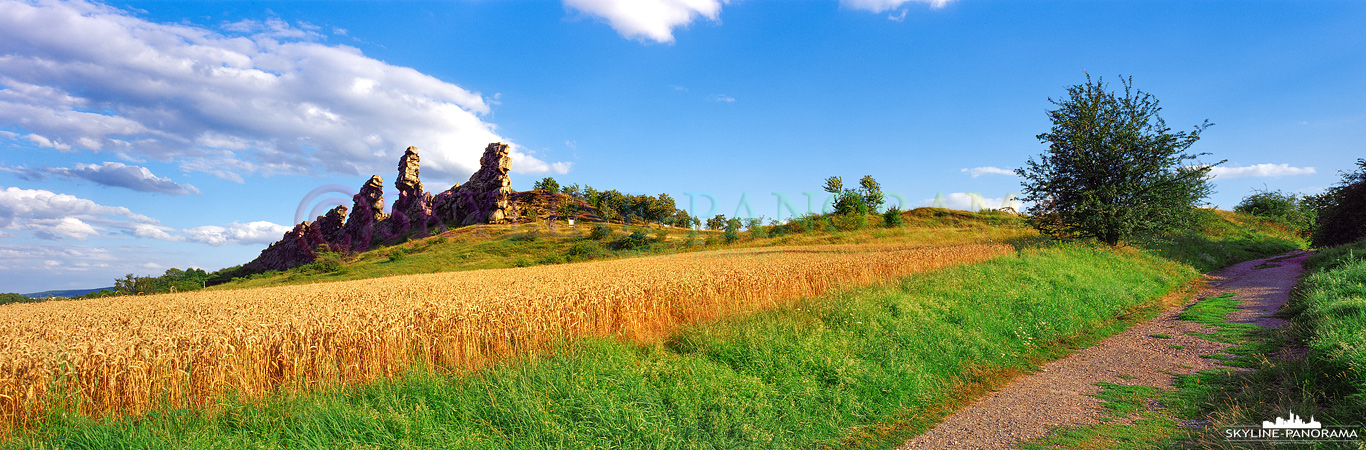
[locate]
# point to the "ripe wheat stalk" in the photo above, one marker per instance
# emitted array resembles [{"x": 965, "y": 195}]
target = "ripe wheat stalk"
[{"x": 125, "y": 355}]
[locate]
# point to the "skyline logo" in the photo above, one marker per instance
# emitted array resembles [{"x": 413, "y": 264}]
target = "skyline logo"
[
  {"x": 1292, "y": 429},
  {"x": 1295, "y": 422}
]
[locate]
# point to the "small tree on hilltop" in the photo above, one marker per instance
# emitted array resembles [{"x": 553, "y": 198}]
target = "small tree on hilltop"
[
  {"x": 547, "y": 185},
  {"x": 872, "y": 193},
  {"x": 834, "y": 185},
  {"x": 1113, "y": 168}
]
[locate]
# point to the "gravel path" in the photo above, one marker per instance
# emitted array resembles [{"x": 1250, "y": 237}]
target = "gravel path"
[{"x": 1059, "y": 393}]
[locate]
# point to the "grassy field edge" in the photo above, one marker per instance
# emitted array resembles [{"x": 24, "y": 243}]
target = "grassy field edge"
[{"x": 863, "y": 367}]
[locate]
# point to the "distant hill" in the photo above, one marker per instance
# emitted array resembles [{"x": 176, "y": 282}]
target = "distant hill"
[{"x": 66, "y": 293}]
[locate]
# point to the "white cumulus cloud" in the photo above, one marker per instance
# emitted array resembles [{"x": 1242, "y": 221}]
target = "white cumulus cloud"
[
  {"x": 54, "y": 216},
  {"x": 257, "y": 97},
  {"x": 979, "y": 171},
  {"x": 878, "y": 6},
  {"x": 259, "y": 232},
  {"x": 1260, "y": 170},
  {"x": 654, "y": 20}
]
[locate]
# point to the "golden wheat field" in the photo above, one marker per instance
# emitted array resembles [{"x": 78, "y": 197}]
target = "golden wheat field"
[{"x": 123, "y": 355}]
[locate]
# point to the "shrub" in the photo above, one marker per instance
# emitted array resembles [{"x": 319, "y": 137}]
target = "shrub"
[
  {"x": 732, "y": 230},
  {"x": 1287, "y": 209},
  {"x": 633, "y": 241},
  {"x": 661, "y": 234},
  {"x": 756, "y": 228},
  {"x": 584, "y": 250},
  {"x": 1342, "y": 217},
  {"x": 600, "y": 231},
  {"x": 397, "y": 254},
  {"x": 892, "y": 218},
  {"x": 324, "y": 262}
]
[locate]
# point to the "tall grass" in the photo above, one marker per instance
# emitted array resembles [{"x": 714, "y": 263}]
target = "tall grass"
[
  {"x": 868, "y": 366},
  {"x": 1222, "y": 238},
  {"x": 1333, "y": 322}
]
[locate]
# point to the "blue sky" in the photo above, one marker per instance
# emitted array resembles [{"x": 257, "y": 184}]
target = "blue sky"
[{"x": 141, "y": 135}]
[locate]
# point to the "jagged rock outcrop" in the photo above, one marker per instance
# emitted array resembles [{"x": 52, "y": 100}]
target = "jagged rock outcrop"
[
  {"x": 413, "y": 209},
  {"x": 485, "y": 198},
  {"x": 361, "y": 226},
  {"x": 295, "y": 249},
  {"x": 332, "y": 224}
]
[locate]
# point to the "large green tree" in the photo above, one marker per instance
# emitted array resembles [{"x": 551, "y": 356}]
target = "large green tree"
[{"x": 1113, "y": 168}]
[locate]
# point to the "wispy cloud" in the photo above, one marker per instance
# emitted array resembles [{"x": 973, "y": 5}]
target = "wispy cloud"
[
  {"x": 248, "y": 98},
  {"x": 652, "y": 20},
  {"x": 897, "y": 17},
  {"x": 1260, "y": 170},
  {"x": 723, "y": 98},
  {"x": 109, "y": 174},
  {"x": 879, "y": 6},
  {"x": 988, "y": 170}
]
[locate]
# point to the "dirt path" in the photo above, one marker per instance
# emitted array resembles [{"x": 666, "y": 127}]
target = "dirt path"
[{"x": 1059, "y": 393}]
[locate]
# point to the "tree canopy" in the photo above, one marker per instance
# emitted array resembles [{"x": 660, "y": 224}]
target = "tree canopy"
[
  {"x": 1113, "y": 168},
  {"x": 1342, "y": 210}
]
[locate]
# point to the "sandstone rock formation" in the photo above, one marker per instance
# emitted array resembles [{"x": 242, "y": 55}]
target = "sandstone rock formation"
[
  {"x": 485, "y": 198},
  {"x": 413, "y": 209}
]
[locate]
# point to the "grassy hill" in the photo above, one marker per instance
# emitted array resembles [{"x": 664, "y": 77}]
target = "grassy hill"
[{"x": 523, "y": 245}]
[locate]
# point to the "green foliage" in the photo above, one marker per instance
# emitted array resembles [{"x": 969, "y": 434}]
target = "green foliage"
[
  {"x": 872, "y": 193},
  {"x": 8, "y": 298},
  {"x": 600, "y": 231},
  {"x": 892, "y": 217},
  {"x": 717, "y": 223},
  {"x": 1342, "y": 213},
  {"x": 834, "y": 185},
  {"x": 397, "y": 254},
  {"x": 1113, "y": 168},
  {"x": 174, "y": 280},
  {"x": 634, "y": 241},
  {"x": 732, "y": 233},
  {"x": 1285, "y": 208},
  {"x": 572, "y": 190},
  {"x": 585, "y": 250},
  {"x": 661, "y": 234},
  {"x": 1220, "y": 239},
  {"x": 850, "y": 202},
  {"x": 548, "y": 185},
  {"x": 755, "y": 226},
  {"x": 327, "y": 261}
]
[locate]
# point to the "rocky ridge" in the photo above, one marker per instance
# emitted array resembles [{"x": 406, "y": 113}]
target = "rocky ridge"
[{"x": 485, "y": 198}]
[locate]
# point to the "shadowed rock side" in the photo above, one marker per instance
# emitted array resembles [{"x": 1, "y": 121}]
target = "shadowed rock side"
[
  {"x": 485, "y": 197},
  {"x": 482, "y": 199}
]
